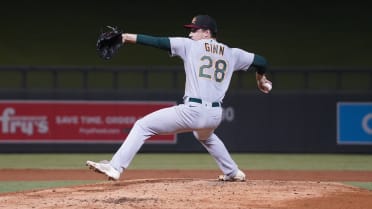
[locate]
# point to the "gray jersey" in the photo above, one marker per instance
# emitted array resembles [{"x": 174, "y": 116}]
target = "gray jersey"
[{"x": 209, "y": 66}]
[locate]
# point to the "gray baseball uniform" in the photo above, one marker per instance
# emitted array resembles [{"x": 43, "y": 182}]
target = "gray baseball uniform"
[{"x": 209, "y": 66}]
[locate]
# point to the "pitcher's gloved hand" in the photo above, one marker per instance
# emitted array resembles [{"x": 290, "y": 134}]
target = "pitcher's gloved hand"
[{"x": 109, "y": 42}]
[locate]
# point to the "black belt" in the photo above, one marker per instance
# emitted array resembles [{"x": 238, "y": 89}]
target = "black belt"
[{"x": 197, "y": 100}]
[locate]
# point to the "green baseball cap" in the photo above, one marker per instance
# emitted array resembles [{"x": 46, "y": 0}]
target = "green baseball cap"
[{"x": 203, "y": 22}]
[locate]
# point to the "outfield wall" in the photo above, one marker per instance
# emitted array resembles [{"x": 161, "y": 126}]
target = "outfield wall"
[{"x": 288, "y": 122}]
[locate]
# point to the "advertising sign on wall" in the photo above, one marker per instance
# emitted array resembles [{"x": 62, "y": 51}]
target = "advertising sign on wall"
[
  {"x": 74, "y": 121},
  {"x": 354, "y": 123}
]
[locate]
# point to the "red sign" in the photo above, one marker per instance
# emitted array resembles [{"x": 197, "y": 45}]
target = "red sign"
[{"x": 74, "y": 121}]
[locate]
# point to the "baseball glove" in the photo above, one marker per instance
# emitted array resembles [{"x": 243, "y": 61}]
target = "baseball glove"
[{"x": 109, "y": 42}]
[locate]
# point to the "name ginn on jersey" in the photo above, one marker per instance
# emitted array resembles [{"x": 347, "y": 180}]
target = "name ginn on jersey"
[{"x": 214, "y": 48}]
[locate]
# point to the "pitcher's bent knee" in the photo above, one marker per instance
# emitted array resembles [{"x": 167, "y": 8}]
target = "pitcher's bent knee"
[{"x": 201, "y": 136}]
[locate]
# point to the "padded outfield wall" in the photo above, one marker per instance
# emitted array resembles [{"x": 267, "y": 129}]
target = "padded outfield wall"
[{"x": 253, "y": 122}]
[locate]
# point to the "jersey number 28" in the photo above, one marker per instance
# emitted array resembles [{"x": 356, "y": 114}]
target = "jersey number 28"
[{"x": 219, "y": 69}]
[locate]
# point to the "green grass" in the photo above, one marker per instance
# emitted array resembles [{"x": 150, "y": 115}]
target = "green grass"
[
  {"x": 48, "y": 161},
  {"x": 306, "y": 161},
  {"x": 182, "y": 161},
  {"x": 13, "y": 186},
  {"x": 364, "y": 185},
  {"x": 196, "y": 161},
  {"x": 256, "y": 161}
]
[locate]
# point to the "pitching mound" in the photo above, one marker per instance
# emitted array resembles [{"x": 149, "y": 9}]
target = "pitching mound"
[{"x": 194, "y": 193}]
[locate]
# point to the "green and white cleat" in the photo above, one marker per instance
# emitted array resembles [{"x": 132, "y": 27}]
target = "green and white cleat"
[
  {"x": 104, "y": 167},
  {"x": 239, "y": 177}
]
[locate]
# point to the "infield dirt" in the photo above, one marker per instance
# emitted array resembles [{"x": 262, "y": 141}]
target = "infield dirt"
[{"x": 192, "y": 189}]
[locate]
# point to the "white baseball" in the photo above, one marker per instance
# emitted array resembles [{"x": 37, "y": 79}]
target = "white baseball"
[{"x": 268, "y": 86}]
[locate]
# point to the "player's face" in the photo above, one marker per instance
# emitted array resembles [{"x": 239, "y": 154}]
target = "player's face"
[{"x": 198, "y": 34}]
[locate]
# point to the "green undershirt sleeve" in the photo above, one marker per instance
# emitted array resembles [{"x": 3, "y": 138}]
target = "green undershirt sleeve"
[
  {"x": 158, "y": 42},
  {"x": 259, "y": 64}
]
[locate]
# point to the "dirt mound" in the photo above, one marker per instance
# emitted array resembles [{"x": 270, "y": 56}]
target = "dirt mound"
[
  {"x": 188, "y": 193},
  {"x": 191, "y": 189}
]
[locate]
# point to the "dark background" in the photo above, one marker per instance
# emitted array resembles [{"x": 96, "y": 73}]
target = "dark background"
[{"x": 287, "y": 33}]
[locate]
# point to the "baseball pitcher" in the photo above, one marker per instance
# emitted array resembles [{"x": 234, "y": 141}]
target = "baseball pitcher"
[{"x": 209, "y": 66}]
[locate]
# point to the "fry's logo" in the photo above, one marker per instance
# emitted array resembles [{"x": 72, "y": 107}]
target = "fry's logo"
[{"x": 28, "y": 125}]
